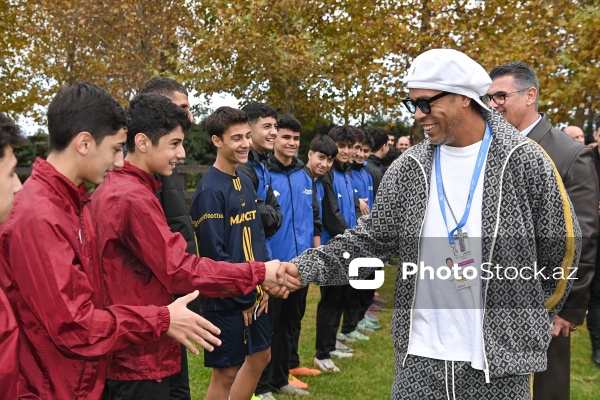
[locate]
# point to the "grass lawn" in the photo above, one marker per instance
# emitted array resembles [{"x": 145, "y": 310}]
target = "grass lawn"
[{"x": 369, "y": 374}]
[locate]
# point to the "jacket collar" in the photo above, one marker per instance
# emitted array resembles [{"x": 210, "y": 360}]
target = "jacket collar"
[
  {"x": 374, "y": 159},
  {"x": 76, "y": 196},
  {"x": 147, "y": 179},
  {"x": 356, "y": 167},
  {"x": 276, "y": 165},
  {"x": 541, "y": 129},
  {"x": 256, "y": 157},
  {"x": 340, "y": 167}
]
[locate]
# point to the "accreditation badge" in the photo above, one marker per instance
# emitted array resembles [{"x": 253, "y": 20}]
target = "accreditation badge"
[{"x": 462, "y": 257}]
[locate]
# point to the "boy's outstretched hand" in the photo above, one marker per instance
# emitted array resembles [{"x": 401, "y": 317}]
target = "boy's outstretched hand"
[
  {"x": 281, "y": 278},
  {"x": 187, "y": 326}
]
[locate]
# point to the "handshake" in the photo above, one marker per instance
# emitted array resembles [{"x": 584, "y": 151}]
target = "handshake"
[{"x": 281, "y": 278}]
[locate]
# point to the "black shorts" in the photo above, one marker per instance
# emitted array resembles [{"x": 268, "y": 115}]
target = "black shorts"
[
  {"x": 147, "y": 390},
  {"x": 238, "y": 340}
]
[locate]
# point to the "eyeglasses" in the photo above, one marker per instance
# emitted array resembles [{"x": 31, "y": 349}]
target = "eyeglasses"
[
  {"x": 500, "y": 97},
  {"x": 423, "y": 104}
]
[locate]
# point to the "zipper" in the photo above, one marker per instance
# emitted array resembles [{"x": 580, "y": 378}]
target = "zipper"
[
  {"x": 287, "y": 174},
  {"x": 486, "y": 371},
  {"x": 418, "y": 256}
]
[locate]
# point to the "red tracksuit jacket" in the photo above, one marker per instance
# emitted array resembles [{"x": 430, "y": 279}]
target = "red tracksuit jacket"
[
  {"x": 143, "y": 262},
  {"x": 9, "y": 336}
]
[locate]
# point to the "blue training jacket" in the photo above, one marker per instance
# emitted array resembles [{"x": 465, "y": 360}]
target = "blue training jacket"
[
  {"x": 363, "y": 183},
  {"x": 339, "y": 202},
  {"x": 293, "y": 188}
]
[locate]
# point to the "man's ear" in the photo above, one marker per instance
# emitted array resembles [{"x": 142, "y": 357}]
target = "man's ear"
[
  {"x": 83, "y": 142},
  {"x": 142, "y": 142},
  {"x": 531, "y": 94},
  {"x": 466, "y": 102},
  {"x": 216, "y": 141}
]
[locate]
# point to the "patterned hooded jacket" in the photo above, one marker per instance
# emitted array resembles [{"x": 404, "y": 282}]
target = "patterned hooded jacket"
[{"x": 527, "y": 218}]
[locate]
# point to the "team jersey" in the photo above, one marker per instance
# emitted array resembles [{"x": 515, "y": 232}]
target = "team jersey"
[{"x": 228, "y": 227}]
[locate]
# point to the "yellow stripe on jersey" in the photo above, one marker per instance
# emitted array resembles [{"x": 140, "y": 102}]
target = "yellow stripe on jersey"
[
  {"x": 237, "y": 184},
  {"x": 247, "y": 243}
]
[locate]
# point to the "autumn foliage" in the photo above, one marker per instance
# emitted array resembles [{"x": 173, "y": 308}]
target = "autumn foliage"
[{"x": 320, "y": 60}]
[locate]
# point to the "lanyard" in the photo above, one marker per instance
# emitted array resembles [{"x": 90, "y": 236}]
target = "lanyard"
[{"x": 485, "y": 144}]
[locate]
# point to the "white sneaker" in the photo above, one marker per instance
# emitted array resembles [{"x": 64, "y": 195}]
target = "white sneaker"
[
  {"x": 358, "y": 336},
  {"x": 340, "y": 354},
  {"x": 266, "y": 396},
  {"x": 326, "y": 365},
  {"x": 364, "y": 330},
  {"x": 344, "y": 338},
  {"x": 342, "y": 347},
  {"x": 292, "y": 391}
]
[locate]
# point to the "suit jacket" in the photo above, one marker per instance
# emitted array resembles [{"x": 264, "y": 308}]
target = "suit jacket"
[{"x": 575, "y": 164}]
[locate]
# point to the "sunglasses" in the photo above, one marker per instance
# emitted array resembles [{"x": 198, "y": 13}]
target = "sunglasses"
[{"x": 423, "y": 104}]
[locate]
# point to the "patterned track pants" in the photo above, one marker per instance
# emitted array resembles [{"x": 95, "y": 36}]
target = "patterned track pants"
[{"x": 429, "y": 379}]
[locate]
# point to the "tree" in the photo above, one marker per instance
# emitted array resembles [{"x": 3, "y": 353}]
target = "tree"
[
  {"x": 118, "y": 45},
  {"x": 323, "y": 60}
]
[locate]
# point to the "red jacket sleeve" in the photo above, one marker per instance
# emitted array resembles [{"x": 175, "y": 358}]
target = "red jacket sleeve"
[
  {"x": 146, "y": 234},
  {"x": 9, "y": 336},
  {"x": 46, "y": 267}
]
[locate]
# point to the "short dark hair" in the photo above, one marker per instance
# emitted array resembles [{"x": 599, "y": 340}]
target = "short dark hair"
[
  {"x": 324, "y": 144},
  {"x": 380, "y": 138},
  {"x": 163, "y": 86},
  {"x": 363, "y": 137},
  {"x": 523, "y": 75},
  {"x": 288, "y": 121},
  {"x": 10, "y": 134},
  {"x": 223, "y": 118},
  {"x": 257, "y": 110},
  {"x": 345, "y": 134},
  {"x": 155, "y": 116},
  {"x": 83, "y": 107},
  {"x": 597, "y": 123}
]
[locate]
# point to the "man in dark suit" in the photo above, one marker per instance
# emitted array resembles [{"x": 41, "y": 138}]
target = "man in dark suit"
[{"x": 514, "y": 93}]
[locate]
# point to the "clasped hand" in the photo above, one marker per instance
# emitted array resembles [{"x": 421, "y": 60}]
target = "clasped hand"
[{"x": 281, "y": 278}]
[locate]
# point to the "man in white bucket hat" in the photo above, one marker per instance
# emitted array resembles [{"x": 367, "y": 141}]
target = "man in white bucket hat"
[{"x": 479, "y": 194}]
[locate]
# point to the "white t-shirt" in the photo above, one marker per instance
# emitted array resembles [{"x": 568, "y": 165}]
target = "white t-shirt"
[{"x": 447, "y": 321}]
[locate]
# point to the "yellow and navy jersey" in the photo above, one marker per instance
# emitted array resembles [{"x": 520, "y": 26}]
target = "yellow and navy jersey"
[{"x": 228, "y": 227}]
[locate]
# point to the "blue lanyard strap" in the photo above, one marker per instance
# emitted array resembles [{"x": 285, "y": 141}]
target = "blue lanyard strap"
[{"x": 485, "y": 145}]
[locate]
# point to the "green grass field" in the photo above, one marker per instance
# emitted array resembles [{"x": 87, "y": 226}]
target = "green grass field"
[{"x": 369, "y": 374}]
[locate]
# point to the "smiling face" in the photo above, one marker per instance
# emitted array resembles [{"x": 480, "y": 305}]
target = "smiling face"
[
  {"x": 9, "y": 182},
  {"x": 286, "y": 145},
  {"x": 361, "y": 152},
  {"x": 163, "y": 157},
  {"x": 318, "y": 163},
  {"x": 344, "y": 152},
  {"x": 264, "y": 131},
  {"x": 444, "y": 122},
  {"x": 233, "y": 148},
  {"x": 403, "y": 144},
  {"x": 519, "y": 108},
  {"x": 104, "y": 157}
]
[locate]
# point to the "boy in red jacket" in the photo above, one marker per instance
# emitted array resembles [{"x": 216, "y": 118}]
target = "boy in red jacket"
[
  {"x": 143, "y": 262},
  {"x": 9, "y": 185}
]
